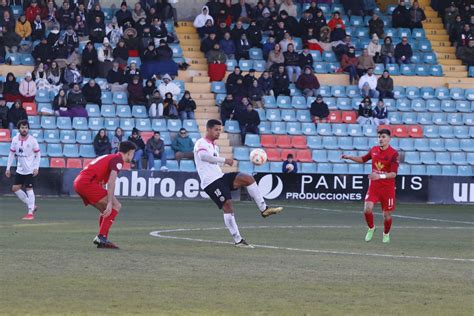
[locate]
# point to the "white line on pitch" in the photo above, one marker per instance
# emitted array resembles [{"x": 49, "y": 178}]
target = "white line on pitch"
[{"x": 159, "y": 233}]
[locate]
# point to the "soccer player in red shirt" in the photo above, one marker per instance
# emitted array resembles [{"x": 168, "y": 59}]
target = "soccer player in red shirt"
[
  {"x": 90, "y": 182},
  {"x": 385, "y": 162}
]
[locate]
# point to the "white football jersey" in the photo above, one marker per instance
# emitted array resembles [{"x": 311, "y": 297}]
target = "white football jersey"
[
  {"x": 27, "y": 154},
  {"x": 208, "y": 172}
]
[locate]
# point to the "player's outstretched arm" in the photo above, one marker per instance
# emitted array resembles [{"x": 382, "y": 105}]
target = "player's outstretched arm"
[
  {"x": 353, "y": 158},
  {"x": 110, "y": 193}
]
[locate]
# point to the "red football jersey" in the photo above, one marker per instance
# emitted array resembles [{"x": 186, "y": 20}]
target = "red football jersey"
[
  {"x": 99, "y": 169},
  {"x": 383, "y": 161}
]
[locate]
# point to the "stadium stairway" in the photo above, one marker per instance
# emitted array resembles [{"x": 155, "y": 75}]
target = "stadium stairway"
[{"x": 199, "y": 86}]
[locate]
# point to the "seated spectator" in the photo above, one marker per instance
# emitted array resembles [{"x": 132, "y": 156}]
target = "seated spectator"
[
  {"x": 10, "y": 38},
  {"x": 183, "y": 145},
  {"x": 11, "y": 88},
  {"x": 116, "y": 79},
  {"x": 305, "y": 58},
  {"x": 369, "y": 6},
  {"x": 465, "y": 35},
  {"x": 248, "y": 120},
  {"x": 90, "y": 62},
  {"x": 455, "y": 30},
  {"x": 249, "y": 78},
  {"x": 96, "y": 30},
  {"x": 32, "y": 10},
  {"x": 149, "y": 88},
  {"x": 319, "y": 110},
  {"x": 341, "y": 47},
  {"x": 38, "y": 29},
  {"x": 105, "y": 56},
  {"x": 72, "y": 75},
  {"x": 131, "y": 72},
  {"x": 387, "y": 52},
  {"x": 23, "y": 28},
  {"x": 186, "y": 107},
  {"x": 374, "y": 49},
  {"x": 289, "y": 165},
  {"x": 155, "y": 105},
  {"x": 242, "y": 48},
  {"x": 27, "y": 88},
  {"x": 138, "y": 141},
  {"x": 450, "y": 14},
  {"x": 216, "y": 55},
  {"x": 368, "y": 84},
  {"x": 101, "y": 143},
  {"x": 403, "y": 52},
  {"x": 417, "y": 15},
  {"x": 3, "y": 114},
  {"x": 170, "y": 108},
  {"x": 54, "y": 74},
  {"x": 135, "y": 92},
  {"x": 466, "y": 53},
  {"x": 155, "y": 149},
  {"x": 287, "y": 40},
  {"x": 92, "y": 93},
  {"x": 275, "y": 59},
  {"x": 385, "y": 86},
  {"x": 241, "y": 11},
  {"x": 41, "y": 80},
  {"x": 365, "y": 112},
  {"x": 308, "y": 83},
  {"x": 336, "y": 19},
  {"x": 43, "y": 52},
  {"x": 268, "y": 46},
  {"x": 208, "y": 29},
  {"x": 80, "y": 27},
  {"x": 281, "y": 83},
  {"x": 71, "y": 40},
  {"x": 381, "y": 114},
  {"x": 325, "y": 36},
  {"x": 116, "y": 140},
  {"x": 289, "y": 7},
  {"x": 255, "y": 94},
  {"x": 168, "y": 86},
  {"x": 232, "y": 79},
  {"x": 15, "y": 114},
  {"x": 338, "y": 33},
  {"x": 254, "y": 34},
  {"x": 60, "y": 107},
  {"x": 376, "y": 26},
  {"x": 228, "y": 46},
  {"x": 265, "y": 82},
  {"x": 208, "y": 43},
  {"x": 227, "y": 108},
  {"x": 201, "y": 19},
  {"x": 76, "y": 102},
  {"x": 292, "y": 64},
  {"x": 365, "y": 62},
  {"x": 401, "y": 16},
  {"x": 349, "y": 63}
]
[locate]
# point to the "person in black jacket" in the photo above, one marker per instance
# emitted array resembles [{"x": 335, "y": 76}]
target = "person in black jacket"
[
  {"x": 417, "y": 15},
  {"x": 186, "y": 107},
  {"x": 319, "y": 110},
  {"x": 92, "y": 93},
  {"x": 254, "y": 34},
  {"x": 239, "y": 13},
  {"x": 102, "y": 145},
  {"x": 138, "y": 141},
  {"x": 3, "y": 114},
  {"x": 227, "y": 108},
  {"x": 403, "y": 52},
  {"x": 249, "y": 79},
  {"x": 305, "y": 58},
  {"x": 400, "y": 16},
  {"x": 15, "y": 114},
  {"x": 376, "y": 26},
  {"x": 292, "y": 63},
  {"x": 90, "y": 62},
  {"x": 242, "y": 48},
  {"x": 281, "y": 83},
  {"x": 43, "y": 52},
  {"x": 11, "y": 88},
  {"x": 266, "y": 83},
  {"x": 164, "y": 52},
  {"x": 232, "y": 79},
  {"x": 365, "y": 112},
  {"x": 248, "y": 122},
  {"x": 123, "y": 15}
]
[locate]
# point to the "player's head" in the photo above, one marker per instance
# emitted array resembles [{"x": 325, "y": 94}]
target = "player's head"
[
  {"x": 289, "y": 157},
  {"x": 127, "y": 149},
  {"x": 384, "y": 137},
  {"x": 23, "y": 127},
  {"x": 213, "y": 129}
]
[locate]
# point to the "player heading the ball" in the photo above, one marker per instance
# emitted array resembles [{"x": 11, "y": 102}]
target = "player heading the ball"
[
  {"x": 219, "y": 185},
  {"x": 385, "y": 161}
]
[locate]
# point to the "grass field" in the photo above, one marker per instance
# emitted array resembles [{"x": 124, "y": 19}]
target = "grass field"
[{"x": 313, "y": 261}]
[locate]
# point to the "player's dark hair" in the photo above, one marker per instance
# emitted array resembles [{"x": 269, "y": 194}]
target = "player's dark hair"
[
  {"x": 156, "y": 132},
  {"x": 212, "y": 123},
  {"x": 22, "y": 123},
  {"x": 384, "y": 131},
  {"x": 126, "y": 146},
  {"x": 289, "y": 156}
]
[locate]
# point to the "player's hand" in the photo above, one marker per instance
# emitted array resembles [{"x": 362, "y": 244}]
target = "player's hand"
[
  {"x": 229, "y": 161},
  {"x": 7, "y": 174},
  {"x": 107, "y": 210},
  {"x": 35, "y": 172},
  {"x": 374, "y": 176},
  {"x": 344, "y": 156}
]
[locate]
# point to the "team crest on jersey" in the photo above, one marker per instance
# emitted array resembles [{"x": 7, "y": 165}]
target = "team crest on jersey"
[{"x": 379, "y": 166}]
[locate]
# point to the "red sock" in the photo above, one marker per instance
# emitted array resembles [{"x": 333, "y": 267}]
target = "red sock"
[
  {"x": 101, "y": 219},
  {"x": 107, "y": 223},
  {"x": 387, "y": 223},
  {"x": 369, "y": 218}
]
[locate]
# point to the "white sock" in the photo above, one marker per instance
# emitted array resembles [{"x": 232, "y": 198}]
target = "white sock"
[
  {"x": 256, "y": 195},
  {"x": 22, "y": 196},
  {"x": 31, "y": 201},
  {"x": 229, "y": 221}
]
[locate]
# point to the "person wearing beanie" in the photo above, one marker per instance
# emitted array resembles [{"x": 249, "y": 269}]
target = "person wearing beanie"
[{"x": 138, "y": 141}]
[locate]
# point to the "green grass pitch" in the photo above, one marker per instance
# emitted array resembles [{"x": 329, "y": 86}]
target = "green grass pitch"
[{"x": 313, "y": 261}]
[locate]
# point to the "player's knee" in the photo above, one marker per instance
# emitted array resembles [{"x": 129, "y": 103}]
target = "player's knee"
[
  {"x": 15, "y": 188},
  {"x": 117, "y": 206},
  {"x": 387, "y": 215},
  {"x": 227, "y": 207},
  {"x": 368, "y": 210},
  {"x": 246, "y": 179}
]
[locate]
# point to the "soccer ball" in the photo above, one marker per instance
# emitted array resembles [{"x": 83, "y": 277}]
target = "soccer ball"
[{"x": 258, "y": 157}]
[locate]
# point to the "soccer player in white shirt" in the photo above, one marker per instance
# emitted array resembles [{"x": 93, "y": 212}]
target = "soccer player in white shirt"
[
  {"x": 26, "y": 149},
  {"x": 219, "y": 185}
]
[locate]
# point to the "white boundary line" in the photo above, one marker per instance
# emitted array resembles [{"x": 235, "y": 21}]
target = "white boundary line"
[{"x": 159, "y": 234}]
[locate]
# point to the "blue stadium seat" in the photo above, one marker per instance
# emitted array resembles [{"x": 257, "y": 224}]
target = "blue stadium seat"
[
  {"x": 44, "y": 162},
  {"x": 406, "y": 144},
  {"x": 256, "y": 53},
  {"x": 343, "y": 104},
  {"x": 294, "y": 91},
  {"x": 259, "y": 65},
  {"x": 273, "y": 115},
  {"x": 442, "y": 93},
  {"x": 436, "y": 70},
  {"x": 308, "y": 168},
  {"x": 439, "y": 118},
  {"x": 63, "y": 123},
  {"x": 298, "y": 102},
  {"x": 399, "y": 92},
  {"x": 437, "y": 144},
  {"x": 461, "y": 131},
  {"x": 424, "y": 45},
  {"x": 324, "y": 129},
  {"x": 15, "y": 59},
  {"x": 166, "y": 137},
  {"x": 420, "y": 144},
  {"x": 42, "y": 96},
  {"x": 329, "y": 56},
  {"x": 339, "y": 129},
  {"x": 293, "y": 128},
  {"x": 37, "y": 133},
  {"x": 111, "y": 123},
  {"x": 43, "y": 148},
  {"x": 431, "y": 131},
  {"x": 139, "y": 111},
  {"x": 428, "y": 158},
  {"x": 446, "y": 131},
  {"x": 288, "y": 115},
  {"x": 416, "y": 58},
  {"x": 418, "y": 105},
  {"x": 86, "y": 151},
  {"x": 433, "y": 105},
  {"x": 283, "y": 102},
  {"x": 469, "y": 94},
  {"x": 48, "y": 122},
  {"x": 83, "y": 137},
  {"x": 458, "y": 158},
  {"x": 418, "y": 33},
  {"x": 246, "y": 167},
  {"x": 427, "y": 93},
  {"x": 448, "y": 106},
  {"x": 419, "y": 170},
  {"x": 278, "y": 128},
  {"x": 422, "y": 70},
  {"x": 143, "y": 124},
  {"x": 120, "y": 98},
  {"x": 275, "y": 167},
  {"x": 340, "y": 168},
  {"x": 265, "y": 168},
  {"x": 357, "y": 21},
  {"x": 452, "y": 144},
  {"x": 55, "y": 150},
  {"x": 92, "y": 110},
  {"x": 262, "y": 114},
  {"x": 127, "y": 124},
  {"x": 190, "y": 125},
  {"x": 67, "y": 137},
  {"x": 345, "y": 143},
  {"x": 96, "y": 123},
  {"x": 159, "y": 125},
  {"x": 241, "y": 153},
  {"x": 172, "y": 165},
  {"x": 245, "y": 65},
  {"x": 360, "y": 143},
  {"x": 449, "y": 170},
  {"x": 465, "y": 171},
  {"x": 231, "y": 63},
  {"x": 70, "y": 151},
  {"x": 429, "y": 58},
  {"x": 338, "y": 91},
  {"x": 252, "y": 140},
  {"x": 455, "y": 118},
  {"x": 467, "y": 145},
  {"x": 468, "y": 119},
  {"x": 324, "y": 168},
  {"x": 395, "y": 117},
  {"x": 463, "y": 106},
  {"x": 394, "y": 69},
  {"x": 108, "y": 110},
  {"x": 174, "y": 125},
  {"x": 265, "y": 127},
  {"x": 403, "y": 105},
  {"x": 409, "y": 70},
  {"x": 409, "y": 118},
  {"x": 308, "y": 129},
  {"x": 404, "y": 169},
  {"x": 330, "y": 142},
  {"x": 316, "y": 54},
  {"x": 471, "y": 71},
  {"x": 187, "y": 166},
  {"x": 135, "y": 60},
  {"x": 314, "y": 142},
  {"x": 269, "y": 102},
  {"x": 433, "y": 170},
  {"x": 51, "y": 136},
  {"x": 320, "y": 67},
  {"x": 218, "y": 87},
  {"x": 34, "y": 121},
  {"x": 412, "y": 93},
  {"x": 369, "y": 130},
  {"x": 106, "y": 97}
]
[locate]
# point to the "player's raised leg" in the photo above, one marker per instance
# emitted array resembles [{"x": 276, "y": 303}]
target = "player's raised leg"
[
  {"x": 369, "y": 218},
  {"x": 247, "y": 181}
]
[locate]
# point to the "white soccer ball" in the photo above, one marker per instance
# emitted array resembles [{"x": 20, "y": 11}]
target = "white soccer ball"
[{"x": 258, "y": 157}]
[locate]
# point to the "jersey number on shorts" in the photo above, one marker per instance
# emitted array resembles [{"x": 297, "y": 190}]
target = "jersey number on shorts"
[{"x": 218, "y": 193}]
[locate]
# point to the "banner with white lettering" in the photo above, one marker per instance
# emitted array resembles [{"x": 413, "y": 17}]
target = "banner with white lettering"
[{"x": 451, "y": 190}]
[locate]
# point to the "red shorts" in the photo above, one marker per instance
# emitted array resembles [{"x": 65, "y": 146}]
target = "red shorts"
[
  {"x": 90, "y": 192},
  {"x": 384, "y": 195}
]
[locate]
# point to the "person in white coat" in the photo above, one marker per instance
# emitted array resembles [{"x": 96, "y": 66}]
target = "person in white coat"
[
  {"x": 168, "y": 86},
  {"x": 368, "y": 84},
  {"x": 201, "y": 20}
]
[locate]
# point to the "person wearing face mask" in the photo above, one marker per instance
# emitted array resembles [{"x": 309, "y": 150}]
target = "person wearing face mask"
[{"x": 349, "y": 63}]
